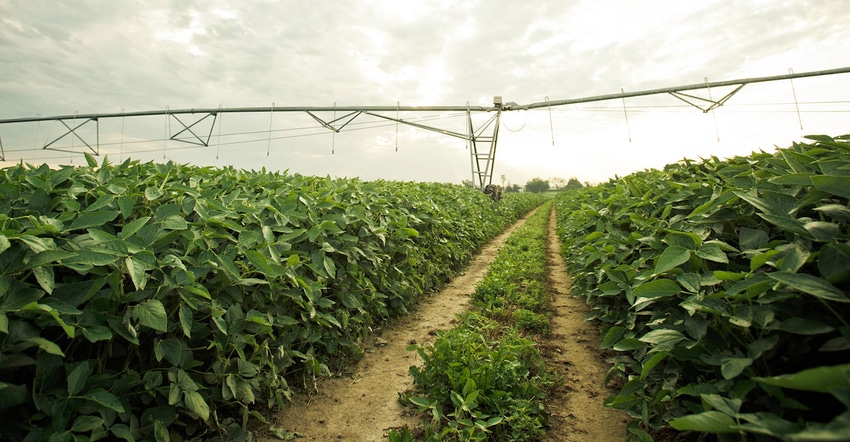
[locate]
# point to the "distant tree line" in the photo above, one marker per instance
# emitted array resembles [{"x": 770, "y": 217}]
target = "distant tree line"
[{"x": 537, "y": 185}]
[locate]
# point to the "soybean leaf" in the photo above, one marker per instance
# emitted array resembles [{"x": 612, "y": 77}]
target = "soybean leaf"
[
  {"x": 95, "y": 333},
  {"x": 93, "y": 219},
  {"x": 834, "y": 262},
  {"x": 712, "y": 252},
  {"x": 811, "y": 285},
  {"x": 48, "y": 257},
  {"x": 4, "y": 243},
  {"x": 837, "y": 212},
  {"x": 671, "y": 258},
  {"x": 706, "y": 422},
  {"x": 132, "y": 227},
  {"x": 651, "y": 363},
  {"x": 805, "y": 326},
  {"x": 77, "y": 378},
  {"x": 46, "y": 345},
  {"x": 186, "y": 319},
  {"x": 751, "y": 239},
  {"x": 152, "y": 193},
  {"x": 727, "y": 406},
  {"x": 105, "y": 398},
  {"x": 657, "y": 289},
  {"x": 151, "y": 313},
  {"x": 86, "y": 423},
  {"x": 663, "y": 339},
  {"x": 836, "y": 185},
  {"x": 732, "y": 367},
  {"x": 45, "y": 277},
  {"x": 196, "y": 403},
  {"x": 820, "y": 379}
]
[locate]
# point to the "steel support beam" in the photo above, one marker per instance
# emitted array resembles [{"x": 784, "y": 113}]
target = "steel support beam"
[{"x": 482, "y": 149}]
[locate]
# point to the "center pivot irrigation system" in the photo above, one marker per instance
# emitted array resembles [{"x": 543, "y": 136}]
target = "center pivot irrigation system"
[{"x": 481, "y": 138}]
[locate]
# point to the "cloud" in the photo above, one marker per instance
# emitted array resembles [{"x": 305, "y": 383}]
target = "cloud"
[{"x": 104, "y": 56}]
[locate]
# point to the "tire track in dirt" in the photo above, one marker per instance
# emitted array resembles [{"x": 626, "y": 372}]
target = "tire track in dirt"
[
  {"x": 576, "y": 411},
  {"x": 364, "y": 406}
]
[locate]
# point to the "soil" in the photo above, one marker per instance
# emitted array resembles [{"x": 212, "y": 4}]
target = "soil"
[
  {"x": 364, "y": 406},
  {"x": 576, "y": 411}
]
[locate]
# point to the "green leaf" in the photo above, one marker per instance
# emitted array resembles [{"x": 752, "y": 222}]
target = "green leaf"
[
  {"x": 751, "y": 239},
  {"x": 48, "y": 257},
  {"x": 4, "y": 243},
  {"x": 45, "y": 277},
  {"x": 93, "y": 219},
  {"x": 90, "y": 259},
  {"x": 834, "y": 262},
  {"x": 196, "y": 403},
  {"x": 712, "y": 252},
  {"x": 811, "y": 285},
  {"x": 706, "y": 422},
  {"x": 105, "y": 398},
  {"x": 90, "y": 160},
  {"x": 819, "y": 379},
  {"x": 77, "y": 378},
  {"x": 171, "y": 349},
  {"x": 837, "y": 212},
  {"x": 86, "y": 423},
  {"x": 663, "y": 339},
  {"x": 671, "y": 258},
  {"x": 786, "y": 222},
  {"x": 122, "y": 431},
  {"x": 186, "y": 319},
  {"x": 44, "y": 344},
  {"x": 174, "y": 222},
  {"x": 652, "y": 362},
  {"x": 761, "y": 259},
  {"x": 689, "y": 281},
  {"x": 4, "y": 322},
  {"x": 160, "y": 431},
  {"x": 822, "y": 231},
  {"x": 133, "y": 227},
  {"x": 151, "y": 313},
  {"x": 95, "y": 333},
  {"x": 804, "y": 326},
  {"x": 657, "y": 289},
  {"x": 836, "y": 185},
  {"x": 152, "y": 193},
  {"x": 732, "y": 367},
  {"x": 629, "y": 344},
  {"x": 729, "y": 407},
  {"x": 137, "y": 270}
]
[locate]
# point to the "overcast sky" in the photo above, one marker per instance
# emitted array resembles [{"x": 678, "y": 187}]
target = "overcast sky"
[{"x": 105, "y": 56}]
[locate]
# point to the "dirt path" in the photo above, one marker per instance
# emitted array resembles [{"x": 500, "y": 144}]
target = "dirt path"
[
  {"x": 575, "y": 409},
  {"x": 365, "y": 406}
]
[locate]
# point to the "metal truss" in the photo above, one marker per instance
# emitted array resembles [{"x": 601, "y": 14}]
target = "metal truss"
[
  {"x": 196, "y": 138},
  {"x": 482, "y": 140}
]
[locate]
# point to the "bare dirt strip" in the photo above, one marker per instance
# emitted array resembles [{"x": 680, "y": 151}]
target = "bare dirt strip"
[
  {"x": 364, "y": 406},
  {"x": 576, "y": 413}
]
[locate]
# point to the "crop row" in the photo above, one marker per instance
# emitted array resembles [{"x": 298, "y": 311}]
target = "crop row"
[
  {"x": 144, "y": 301},
  {"x": 723, "y": 287},
  {"x": 485, "y": 379}
]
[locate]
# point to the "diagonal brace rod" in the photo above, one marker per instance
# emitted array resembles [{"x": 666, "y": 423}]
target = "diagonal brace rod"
[
  {"x": 421, "y": 126},
  {"x": 714, "y": 104},
  {"x": 74, "y": 133},
  {"x": 329, "y": 124},
  {"x": 201, "y": 141}
]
